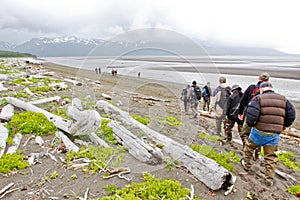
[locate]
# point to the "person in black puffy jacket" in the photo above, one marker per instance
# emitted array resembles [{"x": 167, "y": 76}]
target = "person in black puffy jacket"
[{"x": 231, "y": 111}]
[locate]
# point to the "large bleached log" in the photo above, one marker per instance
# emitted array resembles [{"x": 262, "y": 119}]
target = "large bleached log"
[
  {"x": 69, "y": 144},
  {"x": 3, "y": 138},
  {"x": 213, "y": 175},
  {"x": 74, "y": 82},
  {"x": 84, "y": 122},
  {"x": 17, "y": 141},
  {"x": 136, "y": 147},
  {"x": 7, "y": 112},
  {"x": 28, "y": 91},
  {"x": 46, "y": 100},
  {"x": 58, "y": 121}
]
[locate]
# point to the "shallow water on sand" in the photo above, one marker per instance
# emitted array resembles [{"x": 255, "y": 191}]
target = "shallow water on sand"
[{"x": 149, "y": 68}]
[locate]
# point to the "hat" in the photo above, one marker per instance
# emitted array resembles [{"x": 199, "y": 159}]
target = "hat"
[
  {"x": 236, "y": 87},
  {"x": 194, "y": 83},
  {"x": 264, "y": 76},
  {"x": 208, "y": 83},
  {"x": 265, "y": 84}
]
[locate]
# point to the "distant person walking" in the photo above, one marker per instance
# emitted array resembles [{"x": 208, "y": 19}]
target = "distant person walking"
[
  {"x": 231, "y": 111},
  {"x": 194, "y": 95},
  {"x": 113, "y": 72},
  {"x": 139, "y": 74},
  {"x": 206, "y": 93},
  {"x": 116, "y": 72},
  {"x": 96, "y": 70},
  {"x": 218, "y": 102},
  {"x": 184, "y": 98},
  {"x": 268, "y": 114},
  {"x": 251, "y": 91},
  {"x": 99, "y": 70}
]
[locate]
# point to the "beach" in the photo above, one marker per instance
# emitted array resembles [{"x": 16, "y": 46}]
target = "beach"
[{"x": 151, "y": 99}]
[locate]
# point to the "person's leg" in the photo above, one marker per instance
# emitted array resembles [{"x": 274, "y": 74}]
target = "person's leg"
[
  {"x": 248, "y": 152},
  {"x": 228, "y": 125},
  {"x": 185, "y": 103},
  {"x": 270, "y": 163},
  {"x": 245, "y": 132}
]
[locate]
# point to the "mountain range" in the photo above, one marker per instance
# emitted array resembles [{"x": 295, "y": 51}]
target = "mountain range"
[{"x": 133, "y": 46}]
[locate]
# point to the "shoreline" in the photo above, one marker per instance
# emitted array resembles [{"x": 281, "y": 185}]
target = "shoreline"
[{"x": 145, "y": 86}]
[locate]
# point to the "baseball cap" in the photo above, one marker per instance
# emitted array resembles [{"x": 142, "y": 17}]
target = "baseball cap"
[
  {"x": 264, "y": 76},
  {"x": 236, "y": 87}
]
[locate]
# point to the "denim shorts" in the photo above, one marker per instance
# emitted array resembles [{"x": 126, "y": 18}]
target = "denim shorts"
[{"x": 261, "y": 140}]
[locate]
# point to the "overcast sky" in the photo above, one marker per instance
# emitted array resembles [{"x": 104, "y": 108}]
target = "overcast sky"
[{"x": 258, "y": 23}]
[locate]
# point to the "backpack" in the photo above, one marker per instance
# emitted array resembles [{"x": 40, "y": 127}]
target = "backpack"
[
  {"x": 255, "y": 91},
  {"x": 204, "y": 93},
  {"x": 184, "y": 94},
  {"x": 225, "y": 93},
  {"x": 197, "y": 91}
]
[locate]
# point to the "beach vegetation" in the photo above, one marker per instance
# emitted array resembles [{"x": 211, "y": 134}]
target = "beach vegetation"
[
  {"x": 224, "y": 159},
  {"x": 212, "y": 138},
  {"x": 106, "y": 133},
  {"x": 150, "y": 188},
  {"x": 3, "y": 102},
  {"x": 140, "y": 119},
  {"x": 171, "y": 121},
  {"x": 54, "y": 175},
  {"x": 20, "y": 95},
  {"x": 294, "y": 190},
  {"x": 30, "y": 123},
  {"x": 100, "y": 157},
  {"x": 286, "y": 157},
  {"x": 10, "y": 162}
]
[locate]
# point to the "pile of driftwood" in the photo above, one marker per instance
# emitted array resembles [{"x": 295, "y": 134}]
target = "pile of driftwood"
[{"x": 87, "y": 122}]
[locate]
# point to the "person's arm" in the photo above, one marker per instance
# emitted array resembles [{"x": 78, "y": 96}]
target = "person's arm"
[
  {"x": 290, "y": 114},
  {"x": 245, "y": 99},
  {"x": 253, "y": 112}
]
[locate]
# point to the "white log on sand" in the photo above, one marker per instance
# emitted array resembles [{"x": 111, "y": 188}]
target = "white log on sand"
[
  {"x": 84, "y": 122},
  {"x": 58, "y": 121},
  {"x": 46, "y": 100},
  {"x": 136, "y": 146},
  {"x": 213, "y": 175},
  {"x": 3, "y": 138},
  {"x": 7, "y": 112},
  {"x": 59, "y": 86},
  {"x": 68, "y": 143},
  {"x": 106, "y": 96},
  {"x": 28, "y": 91},
  {"x": 74, "y": 82},
  {"x": 17, "y": 141}
]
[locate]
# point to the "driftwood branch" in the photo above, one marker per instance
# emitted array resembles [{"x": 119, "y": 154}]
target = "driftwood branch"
[
  {"x": 205, "y": 169},
  {"x": 69, "y": 144},
  {"x": 46, "y": 100},
  {"x": 3, "y": 138}
]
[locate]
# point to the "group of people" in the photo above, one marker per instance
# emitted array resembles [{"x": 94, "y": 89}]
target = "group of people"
[
  {"x": 114, "y": 72},
  {"x": 98, "y": 70},
  {"x": 260, "y": 113}
]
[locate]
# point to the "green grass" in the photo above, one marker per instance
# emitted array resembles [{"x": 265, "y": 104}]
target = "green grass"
[
  {"x": 140, "y": 119},
  {"x": 10, "y": 162},
  {"x": 293, "y": 189},
  {"x": 213, "y": 138},
  {"x": 285, "y": 158},
  {"x": 224, "y": 159}
]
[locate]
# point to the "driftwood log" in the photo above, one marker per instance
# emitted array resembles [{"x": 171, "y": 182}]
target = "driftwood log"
[
  {"x": 7, "y": 112},
  {"x": 3, "y": 138},
  {"x": 68, "y": 143},
  {"x": 136, "y": 147},
  {"x": 84, "y": 122},
  {"x": 17, "y": 141},
  {"x": 46, "y": 100},
  {"x": 213, "y": 175}
]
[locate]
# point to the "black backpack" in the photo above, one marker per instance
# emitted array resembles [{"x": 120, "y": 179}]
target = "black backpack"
[{"x": 197, "y": 91}]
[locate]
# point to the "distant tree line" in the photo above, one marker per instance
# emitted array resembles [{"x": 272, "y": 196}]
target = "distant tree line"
[{"x": 15, "y": 54}]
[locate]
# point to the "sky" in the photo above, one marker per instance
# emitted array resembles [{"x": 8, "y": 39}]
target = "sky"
[{"x": 255, "y": 23}]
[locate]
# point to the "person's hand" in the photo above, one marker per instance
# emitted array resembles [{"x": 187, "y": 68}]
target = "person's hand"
[{"x": 241, "y": 117}]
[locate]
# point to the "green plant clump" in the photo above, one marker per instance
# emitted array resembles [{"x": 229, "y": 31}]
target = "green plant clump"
[
  {"x": 106, "y": 132},
  {"x": 10, "y": 162},
  {"x": 213, "y": 138},
  {"x": 171, "y": 121},
  {"x": 222, "y": 158},
  {"x": 285, "y": 159},
  {"x": 152, "y": 188},
  {"x": 294, "y": 189},
  {"x": 140, "y": 119},
  {"x": 30, "y": 123},
  {"x": 98, "y": 155}
]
